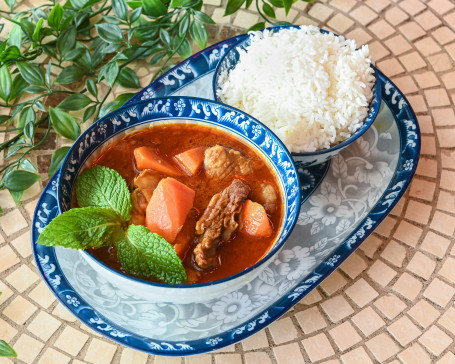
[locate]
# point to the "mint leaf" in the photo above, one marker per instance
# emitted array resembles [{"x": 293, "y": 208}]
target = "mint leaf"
[
  {"x": 146, "y": 254},
  {"x": 103, "y": 187},
  {"x": 88, "y": 227}
]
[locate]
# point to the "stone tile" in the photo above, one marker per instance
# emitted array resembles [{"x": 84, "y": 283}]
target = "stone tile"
[
  {"x": 219, "y": 359},
  {"x": 7, "y": 332},
  {"x": 356, "y": 356},
  {"x": 412, "y": 61},
  {"x": 71, "y": 341},
  {"x": 5, "y": 196},
  {"x": 19, "y": 310},
  {"x": 435, "y": 340},
  {"x": 100, "y": 352},
  {"x": 333, "y": 283},
  {"x": 257, "y": 341},
  {"x": 440, "y": 62},
  {"x": 219, "y": 18},
  {"x": 340, "y": 23},
  {"x": 428, "y": 147},
  {"x": 317, "y": 347},
  {"x": 378, "y": 51},
  {"x": 343, "y": 5},
  {"x": 446, "y": 138},
  {"x": 446, "y": 201},
  {"x": 427, "y": 20},
  {"x": 421, "y": 265},
  {"x": 312, "y": 297},
  {"x": 27, "y": 348},
  {"x": 7, "y": 258},
  {"x": 406, "y": 84},
  {"x": 303, "y": 20},
  {"x": 396, "y": 16},
  {"x": 353, "y": 266},
  {"x": 42, "y": 295},
  {"x": 427, "y": 167},
  {"x": 320, "y": 12},
  {"x": 382, "y": 346},
  {"x": 427, "y": 46},
  {"x": 176, "y": 360},
  {"x": 437, "y": 97},
  {"x": 12, "y": 222},
  {"x": 381, "y": 29},
  {"x": 390, "y": 305},
  {"x": 359, "y": 35},
  {"x": 408, "y": 233},
  {"x": 426, "y": 124},
  {"x": 427, "y": 79},
  {"x": 412, "y": 7},
  {"x": 448, "y": 180},
  {"x": 244, "y": 19},
  {"x": 361, "y": 293},
  {"x": 52, "y": 356},
  {"x": 443, "y": 35},
  {"x": 371, "y": 245},
  {"x": 345, "y": 336},
  {"x": 411, "y": 31},
  {"x": 443, "y": 223},
  {"x": 63, "y": 313},
  {"x": 289, "y": 353},
  {"x": 444, "y": 117},
  {"x": 448, "y": 79},
  {"x": 448, "y": 270},
  {"x": 283, "y": 330},
  {"x": 22, "y": 245},
  {"x": 255, "y": 358},
  {"x": 414, "y": 354},
  {"x": 447, "y": 320},
  {"x": 391, "y": 67},
  {"x": 378, "y": 5},
  {"x": 422, "y": 189},
  {"x": 450, "y": 49},
  {"x": 448, "y": 159},
  {"x": 408, "y": 286},
  {"x": 196, "y": 359},
  {"x": 386, "y": 226},
  {"x": 418, "y": 103},
  {"x": 44, "y": 325},
  {"x": 6, "y": 293},
  {"x": 439, "y": 292},
  {"x": 404, "y": 331},
  {"x": 423, "y": 313},
  {"x": 337, "y": 308},
  {"x": 311, "y": 320},
  {"x": 441, "y": 6},
  {"x": 381, "y": 273},
  {"x": 450, "y": 19},
  {"x": 418, "y": 212},
  {"x": 448, "y": 358},
  {"x": 368, "y": 321},
  {"x": 22, "y": 278},
  {"x": 435, "y": 244}
]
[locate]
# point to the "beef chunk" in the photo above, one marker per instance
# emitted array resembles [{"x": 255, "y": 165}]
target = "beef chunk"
[
  {"x": 219, "y": 222},
  {"x": 221, "y": 162},
  {"x": 147, "y": 182}
]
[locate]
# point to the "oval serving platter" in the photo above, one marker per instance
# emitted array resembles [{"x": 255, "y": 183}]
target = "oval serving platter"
[{"x": 342, "y": 203}]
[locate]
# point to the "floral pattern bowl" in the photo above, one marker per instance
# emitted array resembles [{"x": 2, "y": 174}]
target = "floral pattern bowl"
[
  {"x": 231, "y": 58},
  {"x": 184, "y": 110}
]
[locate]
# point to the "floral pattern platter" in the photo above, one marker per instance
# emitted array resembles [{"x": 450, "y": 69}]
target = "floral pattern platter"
[{"x": 342, "y": 203}]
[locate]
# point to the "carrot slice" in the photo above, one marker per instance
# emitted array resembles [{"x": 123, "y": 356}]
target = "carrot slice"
[
  {"x": 168, "y": 208},
  {"x": 254, "y": 220},
  {"x": 147, "y": 157},
  {"x": 192, "y": 159}
]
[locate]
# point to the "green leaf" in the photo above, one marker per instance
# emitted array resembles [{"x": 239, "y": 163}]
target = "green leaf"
[
  {"x": 16, "y": 195},
  {"x": 248, "y": 3},
  {"x": 57, "y": 160},
  {"x": 185, "y": 50},
  {"x": 157, "y": 58},
  {"x": 15, "y": 36},
  {"x": 39, "y": 105},
  {"x": 120, "y": 9},
  {"x": 277, "y": 3},
  {"x": 64, "y": 124},
  {"x": 153, "y": 8},
  {"x": 35, "y": 89},
  {"x": 6, "y": 83},
  {"x": 11, "y": 52},
  {"x": 127, "y": 78},
  {"x": 87, "y": 227},
  {"x": 36, "y": 32},
  {"x": 135, "y": 14},
  {"x": 184, "y": 25},
  {"x": 88, "y": 113},
  {"x": 199, "y": 34},
  {"x": 19, "y": 87},
  {"x": 257, "y": 26},
  {"x": 31, "y": 73},
  {"x": 112, "y": 73},
  {"x": 74, "y": 53},
  {"x": 66, "y": 41},
  {"x": 4, "y": 119},
  {"x": 48, "y": 72},
  {"x": 27, "y": 115},
  {"x": 74, "y": 102},
  {"x": 18, "y": 180},
  {"x": 232, "y": 6},
  {"x": 104, "y": 187},
  {"x": 287, "y": 5},
  {"x": 29, "y": 131},
  {"x": 90, "y": 85},
  {"x": 5, "y": 349},
  {"x": 10, "y": 3},
  {"x": 110, "y": 33},
  {"x": 268, "y": 10},
  {"x": 178, "y": 3},
  {"x": 108, "y": 107},
  {"x": 134, "y": 4},
  {"x": 14, "y": 150},
  {"x": 146, "y": 254},
  {"x": 27, "y": 165},
  {"x": 204, "y": 18},
  {"x": 69, "y": 74},
  {"x": 55, "y": 16},
  {"x": 28, "y": 27},
  {"x": 164, "y": 36}
]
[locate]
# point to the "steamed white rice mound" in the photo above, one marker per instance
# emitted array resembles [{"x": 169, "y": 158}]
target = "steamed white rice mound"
[{"x": 311, "y": 89}]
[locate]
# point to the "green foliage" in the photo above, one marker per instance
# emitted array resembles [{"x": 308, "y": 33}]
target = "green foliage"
[
  {"x": 6, "y": 350},
  {"x": 57, "y": 160},
  {"x": 88, "y": 43}
]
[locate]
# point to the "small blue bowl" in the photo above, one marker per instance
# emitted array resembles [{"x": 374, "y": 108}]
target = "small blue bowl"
[
  {"x": 230, "y": 60},
  {"x": 183, "y": 110}
]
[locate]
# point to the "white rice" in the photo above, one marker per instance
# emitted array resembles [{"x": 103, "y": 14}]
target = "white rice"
[{"x": 311, "y": 89}]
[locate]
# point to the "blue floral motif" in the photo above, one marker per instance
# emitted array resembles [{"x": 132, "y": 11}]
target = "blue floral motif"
[
  {"x": 214, "y": 341},
  {"x": 72, "y": 301},
  {"x": 408, "y": 164}
]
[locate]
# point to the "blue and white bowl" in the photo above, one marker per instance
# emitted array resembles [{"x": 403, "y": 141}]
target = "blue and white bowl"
[
  {"x": 183, "y": 110},
  {"x": 230, "y": 60}
]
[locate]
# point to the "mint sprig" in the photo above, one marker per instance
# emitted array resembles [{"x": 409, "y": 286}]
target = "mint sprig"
[
  {"x": 104, "y": 187},
  {"x": 146, "y": 254},
  {"x": 102, "y": 220}
]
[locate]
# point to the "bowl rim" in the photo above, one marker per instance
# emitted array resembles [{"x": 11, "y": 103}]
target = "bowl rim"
[
  {"x": 377, "y": 90},
  {"x": 262, "y": 261}
]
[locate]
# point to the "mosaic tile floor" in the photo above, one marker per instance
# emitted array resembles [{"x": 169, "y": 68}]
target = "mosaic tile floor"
[{"x": 390, "y": 302}]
